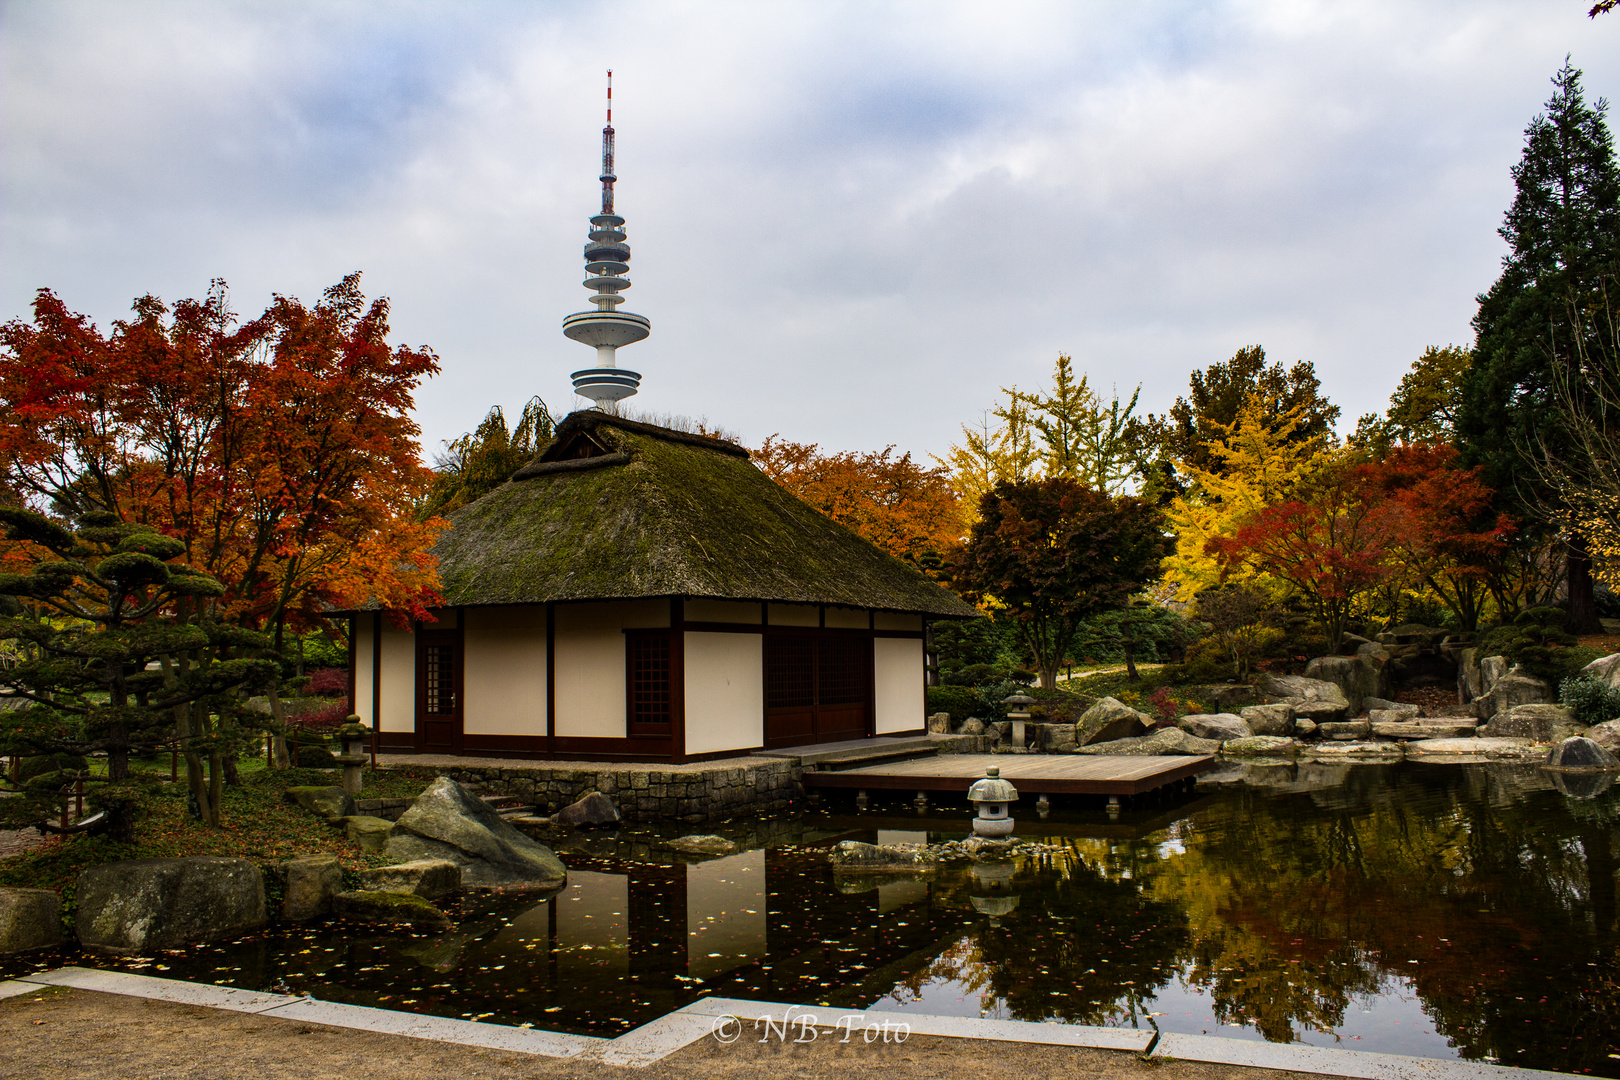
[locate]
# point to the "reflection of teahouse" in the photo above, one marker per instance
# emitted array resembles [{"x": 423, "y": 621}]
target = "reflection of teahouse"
[{"x": 637, "y": 592}]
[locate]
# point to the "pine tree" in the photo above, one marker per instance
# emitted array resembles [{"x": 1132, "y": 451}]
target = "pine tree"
[{"x": 1563, "y": 234}]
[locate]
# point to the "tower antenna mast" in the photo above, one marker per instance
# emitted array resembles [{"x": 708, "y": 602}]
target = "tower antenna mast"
[{"x": 607, "y": 329}]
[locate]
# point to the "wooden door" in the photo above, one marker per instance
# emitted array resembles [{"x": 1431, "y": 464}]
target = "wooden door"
[
  {"x": 438, "y": 691},
  {"x": 817, "y": 687}
]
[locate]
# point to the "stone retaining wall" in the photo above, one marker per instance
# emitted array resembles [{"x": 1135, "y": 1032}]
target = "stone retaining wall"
[
  {"x": 642, "y": 792},
  {"x": 383, "y": 808}
]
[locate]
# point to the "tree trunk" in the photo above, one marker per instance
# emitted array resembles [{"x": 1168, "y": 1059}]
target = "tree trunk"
[
  {"x": 278, "y": 729},
  {"x": 1583, "y": 616},
  {"x": 1130, "y": 660}
]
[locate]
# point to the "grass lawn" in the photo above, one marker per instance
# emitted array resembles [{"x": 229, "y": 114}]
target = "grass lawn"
[{"x": 258, "y": 823}]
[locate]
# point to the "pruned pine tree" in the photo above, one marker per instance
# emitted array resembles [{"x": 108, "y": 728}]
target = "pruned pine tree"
[{"x": 112, "y": 653}]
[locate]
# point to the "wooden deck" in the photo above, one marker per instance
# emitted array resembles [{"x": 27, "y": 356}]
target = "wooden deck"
[{"x": 1031, "y": 774}]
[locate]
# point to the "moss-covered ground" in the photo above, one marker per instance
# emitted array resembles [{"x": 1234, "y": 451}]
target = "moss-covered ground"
[{"x": 257, "y": 823}]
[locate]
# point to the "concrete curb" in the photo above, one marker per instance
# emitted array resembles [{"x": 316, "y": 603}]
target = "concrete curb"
[{"x": 736, "y": 1019}]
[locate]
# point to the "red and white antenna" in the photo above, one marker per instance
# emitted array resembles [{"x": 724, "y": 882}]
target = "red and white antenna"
[{"x": 607, "y": 152}]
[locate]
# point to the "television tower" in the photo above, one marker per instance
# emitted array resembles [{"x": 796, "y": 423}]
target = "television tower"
[{"x": 607, "y": 259}]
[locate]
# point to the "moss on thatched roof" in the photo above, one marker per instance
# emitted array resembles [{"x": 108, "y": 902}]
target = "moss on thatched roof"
[{"x": 615, "y": 509}]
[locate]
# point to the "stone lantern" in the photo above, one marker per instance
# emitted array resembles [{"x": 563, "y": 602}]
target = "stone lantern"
[
  {"x": 1018, "y": 712},
  {"x": 992, "y": 794},
  {"x": 352, "y": 736}
]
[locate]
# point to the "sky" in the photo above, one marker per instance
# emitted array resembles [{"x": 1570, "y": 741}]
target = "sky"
[{"x": 852, "y": 223}]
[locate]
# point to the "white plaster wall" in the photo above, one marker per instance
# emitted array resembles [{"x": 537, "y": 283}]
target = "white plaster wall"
[
  {"x": 504, "y": 670},
  {"x": 894, "y": 620},
  {"x": 361, "y": 649},
  {"x": 897, "y": 672},
  {"x": 725, "y": 692},
  {"x": 843, "y": 618},
  {"x": 732, "y": 611},
  {"x": 398, "y": 698},
  {"x": 795, "y": 615},
  {"x": 589, "y": 653}
]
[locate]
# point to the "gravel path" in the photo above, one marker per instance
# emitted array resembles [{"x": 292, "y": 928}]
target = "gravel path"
[{"x": 89, "y": 1036}]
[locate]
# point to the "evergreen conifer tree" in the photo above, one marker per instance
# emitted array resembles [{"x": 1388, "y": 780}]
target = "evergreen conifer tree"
[{"x": 1563, "y": 232}]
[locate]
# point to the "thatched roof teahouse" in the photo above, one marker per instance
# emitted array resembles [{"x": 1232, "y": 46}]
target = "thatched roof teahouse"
[{"x": 643, "y": 593}]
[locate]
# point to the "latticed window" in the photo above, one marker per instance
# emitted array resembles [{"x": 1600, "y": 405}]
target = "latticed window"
[
  {"x": 842, "y": 675},
  {"x": 648, "y": 668},
  {"x": 439, "y": 676},
  {"x": 790, "y": 672}
]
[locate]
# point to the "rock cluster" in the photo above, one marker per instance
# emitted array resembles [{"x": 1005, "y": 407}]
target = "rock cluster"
[{"x": 449, "y": 822}]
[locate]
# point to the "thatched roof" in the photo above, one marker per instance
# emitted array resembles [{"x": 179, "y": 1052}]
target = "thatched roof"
[{"x": 615, "y": 509}]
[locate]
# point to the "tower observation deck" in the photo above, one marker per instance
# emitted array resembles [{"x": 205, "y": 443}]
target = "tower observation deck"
[{"x": 607, "y": 260}]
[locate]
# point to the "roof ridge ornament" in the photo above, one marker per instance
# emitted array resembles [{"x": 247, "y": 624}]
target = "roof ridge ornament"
[{"x": 607, "y": 259}]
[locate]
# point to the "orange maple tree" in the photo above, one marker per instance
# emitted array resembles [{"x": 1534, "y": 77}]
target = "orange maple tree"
[
  {"x": 908, "y": 510},
  {"x": 280, "y": 451}
]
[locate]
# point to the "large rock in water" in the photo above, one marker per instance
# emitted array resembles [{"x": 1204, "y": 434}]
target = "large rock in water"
[
  {"x": 1220, "y": 726},
  {"x": 448, "y": 822},
  {"x": 1579, "y": 753},
  {"x": 1276, "y": 719},
  {"x": 1108, "y": 720},
  {"x": 1160, "y": 743},
  {"x": 1357, "y": 677},
  {"x": 1260, "y": 746},
  {"x": 591, "y": 810},
  {"x": 428, "y": 878},
  {"x": 29, "y": 919},
  {"x": 141, "y": 906},
  {"x": 1543, "y": 723},
  {"x": 312, "y": 880}
]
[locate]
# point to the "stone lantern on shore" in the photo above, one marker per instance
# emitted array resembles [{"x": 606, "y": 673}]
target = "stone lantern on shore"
[
  {"x": 992, "y": 795},
  {"x": 352, "y": 736},
  {"x": 1018, "y": 712}
]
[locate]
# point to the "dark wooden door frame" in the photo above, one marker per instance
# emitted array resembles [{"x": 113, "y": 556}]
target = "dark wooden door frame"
[
  {"x": 817, "y": 635},
  {"x": 457, "y": 722}
]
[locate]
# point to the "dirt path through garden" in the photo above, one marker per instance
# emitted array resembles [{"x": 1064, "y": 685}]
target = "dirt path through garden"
[{"x": 90, "y": 1036}]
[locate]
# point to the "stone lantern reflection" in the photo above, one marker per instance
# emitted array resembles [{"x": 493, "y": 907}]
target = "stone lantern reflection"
[{"x": 992, "y": 795}]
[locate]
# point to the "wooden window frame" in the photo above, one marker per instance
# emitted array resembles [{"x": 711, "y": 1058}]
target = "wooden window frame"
[{"x": 634, "y": 728}]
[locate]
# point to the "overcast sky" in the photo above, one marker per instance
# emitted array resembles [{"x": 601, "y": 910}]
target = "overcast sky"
[{"x": 852, "y": 223}]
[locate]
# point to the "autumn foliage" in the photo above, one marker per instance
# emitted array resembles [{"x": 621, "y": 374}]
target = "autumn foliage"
[{"x": 908, "y": 510}]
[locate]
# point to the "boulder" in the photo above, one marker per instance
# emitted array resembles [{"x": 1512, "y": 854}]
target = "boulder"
[
  {"x": 1275, "y": 719},
  {"x": 1224, "y": 696},
  {"x": 312, "y": 880},
  {"x": 589, "y": 811},
  {"x": 29, "y": 919},
  {"x": 1605, "y": 669},
  {"x": 971, "y": 726},
  {"x": 939, "y": 723},
  {"x": 1260, "y": 746},
  {"x": 1454, "y": 728},
  {"x": 702, "y": 845},
  {"x": 1055, "y": 738},
  {"x": 395, "y": 908},
  {"x": 1372, "y": 650},
  {"x": 143, "y": 905},
  {"x": 1478, "y": 748},
  {"x": 1541, "y": 723},
  {"x": 1394, "y": 714},
  {"x": 1469, "y": 679},
  {"x": 1300, "y": 689},
  {"x": 448, "y": 822},
  {"x": 1356, "y": 677},
  {"x": 330, "y": 804},
  {"x": 1360, "y": 751},
  {"x": 428, "y": 878},
  {"x": 1164, "y": 741},
  {"x": 1606, "y": 735},
  {"x": 1108, "y": 720},
  {"x": 1218, "y": 726},
  {"x": 370, "y": 833},
  {"x": 1580, "y": 753},
  {"x": 1319, "y": 712},
  {"x": 1304, "y": 728},
  {"x": 1344, "y": 730}
]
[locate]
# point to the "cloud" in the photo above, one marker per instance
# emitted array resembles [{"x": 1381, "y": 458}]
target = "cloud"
[{"x": 851, "y": 223}]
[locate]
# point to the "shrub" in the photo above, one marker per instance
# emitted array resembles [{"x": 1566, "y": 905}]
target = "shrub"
[
  {"x": 1593, "y": 700},
  {"x": 1537, "y": 642},
  {"x": 328, "y": 682},
  {"x": 959, "y": 701},
  {"x": 324, "y": 719}
]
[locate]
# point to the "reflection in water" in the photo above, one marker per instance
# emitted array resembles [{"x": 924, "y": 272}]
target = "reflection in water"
[{"x": 1444, "y": 911}]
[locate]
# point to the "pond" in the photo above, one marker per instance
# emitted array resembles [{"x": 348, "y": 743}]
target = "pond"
[{"x": 1442, "y": 911}]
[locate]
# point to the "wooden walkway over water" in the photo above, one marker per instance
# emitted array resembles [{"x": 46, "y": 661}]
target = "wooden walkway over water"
[{"x": 1031, "y": 774}]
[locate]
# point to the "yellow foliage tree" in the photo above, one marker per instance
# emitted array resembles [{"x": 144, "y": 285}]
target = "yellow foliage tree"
[{"x": 1255, "y": 464}]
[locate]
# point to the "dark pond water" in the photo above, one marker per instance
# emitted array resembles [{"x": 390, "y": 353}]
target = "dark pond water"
[{"x": 1444, "y": 911}]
